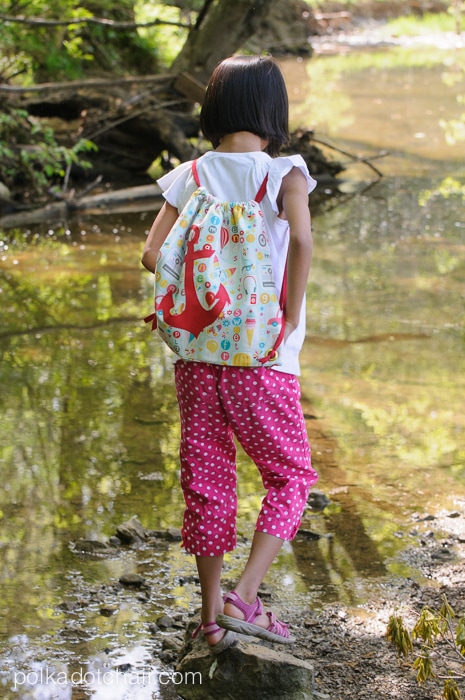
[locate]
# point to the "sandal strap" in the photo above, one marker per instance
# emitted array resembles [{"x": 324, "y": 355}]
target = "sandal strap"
[
  {"x": 276, "y": 626},
  {"x": 208, "y": 629},
  {"x": 250, "y": 611}
]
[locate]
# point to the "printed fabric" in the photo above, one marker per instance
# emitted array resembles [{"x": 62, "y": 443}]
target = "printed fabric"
[
  {"x": 215, "y": 296},
  {"x": 235, "y": 176}
]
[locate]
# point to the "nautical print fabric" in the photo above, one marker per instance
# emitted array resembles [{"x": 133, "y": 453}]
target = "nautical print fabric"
[{"x": 215, "y": 296}]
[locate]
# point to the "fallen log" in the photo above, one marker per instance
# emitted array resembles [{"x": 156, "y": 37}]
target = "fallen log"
[
  {"x": 130, "y": 199},
  {"x": 73, "y": 85}
]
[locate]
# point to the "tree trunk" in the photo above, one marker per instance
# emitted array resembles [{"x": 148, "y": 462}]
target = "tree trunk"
[{"x": 227, "y": 26}]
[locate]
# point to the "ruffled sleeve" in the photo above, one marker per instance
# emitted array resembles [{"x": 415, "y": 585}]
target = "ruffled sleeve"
[
  {"x": 279, "y": 168},
  {"x": 175, "y": 185}
]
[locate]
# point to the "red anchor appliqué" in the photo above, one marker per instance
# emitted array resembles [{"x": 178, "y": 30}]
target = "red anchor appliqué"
[{"x": 194, "y": 317}]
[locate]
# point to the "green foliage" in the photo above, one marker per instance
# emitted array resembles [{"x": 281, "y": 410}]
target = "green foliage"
[
  {"x": 447, "y": 189},
  {"x": 166, "y": 40},
  {"x": 454, "y": 128},
  {"x": 37, "y": 52},
  {"x": 399, "y": 636},
  {"x": 442, "y": 651},
  {"x": 429, "y": 23},
  {"x": 424, "y": 666},
  {"x": 451, "y": 690},
  {"x": 30, "y": 157}
]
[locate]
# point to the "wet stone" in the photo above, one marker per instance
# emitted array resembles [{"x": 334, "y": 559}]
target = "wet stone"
[
  {"x": 165, "y": 622},
  {"x": 132, "y": 580},
  {"x": 124, "y": 668},
  {"x": 442, "y": 554},
  {"x": 172, "y": 643},
  {"x": 312, "y": 535},
  {"x": 171, "y": 534},
  {"x": 94, "y": 548},
  {"x": 317, "y": 500},
  {"x": 108, "y": 610},
  {"x": 168, "y": 656},
  {"x": 131, "y": 532}
]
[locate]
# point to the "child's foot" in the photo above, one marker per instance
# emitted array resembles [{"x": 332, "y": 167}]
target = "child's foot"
[
  {"x": 217, "y": 638},
  {"x": 250, "y": 619},
  {"x": 232, "y": 610}
]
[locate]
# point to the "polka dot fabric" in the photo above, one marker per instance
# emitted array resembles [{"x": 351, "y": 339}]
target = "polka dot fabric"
[{"x": 261, "y": 408}]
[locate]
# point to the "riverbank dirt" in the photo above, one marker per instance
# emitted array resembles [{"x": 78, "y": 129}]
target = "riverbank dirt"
[
  {"x": 349, "y": 650},
  {"x": 348, "y": 647}
]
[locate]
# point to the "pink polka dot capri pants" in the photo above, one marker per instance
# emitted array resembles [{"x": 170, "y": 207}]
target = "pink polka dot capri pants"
[{"x": 261, "y": 408}]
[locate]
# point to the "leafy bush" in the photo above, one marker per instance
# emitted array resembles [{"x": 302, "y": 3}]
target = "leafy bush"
[
  {"x": 30, "y": 157},
  {"x": 440, "y": 636}
]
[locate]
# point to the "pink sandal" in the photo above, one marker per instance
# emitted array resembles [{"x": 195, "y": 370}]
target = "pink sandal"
[
  {"x": 277, "y": 631},
  {"x": 229, "y": 638}
]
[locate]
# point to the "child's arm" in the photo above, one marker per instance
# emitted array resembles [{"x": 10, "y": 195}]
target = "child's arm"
[
  {"x": 294, "y": 202},
  {"x": 160, "y": 229}
]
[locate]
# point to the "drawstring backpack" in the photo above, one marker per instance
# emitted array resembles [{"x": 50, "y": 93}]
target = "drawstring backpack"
[{"x": 215, "y": 295}]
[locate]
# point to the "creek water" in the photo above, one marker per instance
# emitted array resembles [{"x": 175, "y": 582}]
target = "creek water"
[{"x": 89, "y": 421}]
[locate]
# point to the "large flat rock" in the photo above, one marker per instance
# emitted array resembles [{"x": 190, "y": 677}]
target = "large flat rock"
[{"x": 248, "y": 670}]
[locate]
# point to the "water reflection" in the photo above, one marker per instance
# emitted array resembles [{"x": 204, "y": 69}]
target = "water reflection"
[{"x": 89, "y": 419}]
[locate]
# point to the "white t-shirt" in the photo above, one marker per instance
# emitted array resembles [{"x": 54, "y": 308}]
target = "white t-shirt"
[{"x": 238, "y": 177}]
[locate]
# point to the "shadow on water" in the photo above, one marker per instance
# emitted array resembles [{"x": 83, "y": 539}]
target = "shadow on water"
[{"x": 89, "y": 421}]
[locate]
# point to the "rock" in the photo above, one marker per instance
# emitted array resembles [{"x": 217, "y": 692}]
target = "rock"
[
  {"x": 95, "y": 548},
  {"x": 132, "y": 580},
  {"x": 171, "y": 644},
  {"x": 165, "y": 622},
  {"x": 442, "y": 554},
  {"x": 248, "y": 670},
  {"x": 171, "y": 534},
  {"x": 124, "y": 668},
  {"x": 168, "y": 657},
  {"x": 108, "y": 610},
  {"x": 312, "y": 535},
  {"x": 131, "y": 531},
  {"x": 317, "y": 500},
  {"x": 5, "y": 194}
]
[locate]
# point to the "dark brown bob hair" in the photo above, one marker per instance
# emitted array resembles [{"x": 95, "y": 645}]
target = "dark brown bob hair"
[{"x": 247, "y": 93}]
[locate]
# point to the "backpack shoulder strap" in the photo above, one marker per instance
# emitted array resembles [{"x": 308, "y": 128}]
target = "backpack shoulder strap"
[
  {"x": 195, "y": 173},
  {"x": 262, "y": 191}
]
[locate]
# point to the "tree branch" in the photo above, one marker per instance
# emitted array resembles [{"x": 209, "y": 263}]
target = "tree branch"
[
  {"x": 41, "y": 22},
  {"x": 92, "y": 82},
  {"x": 127, "y": 117},
  {"x": 355, "y": 159},
  {"x": 203, "y": 13}
]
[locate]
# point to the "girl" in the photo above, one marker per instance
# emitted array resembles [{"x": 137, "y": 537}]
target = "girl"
[{"x": 245, "y": 116}]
